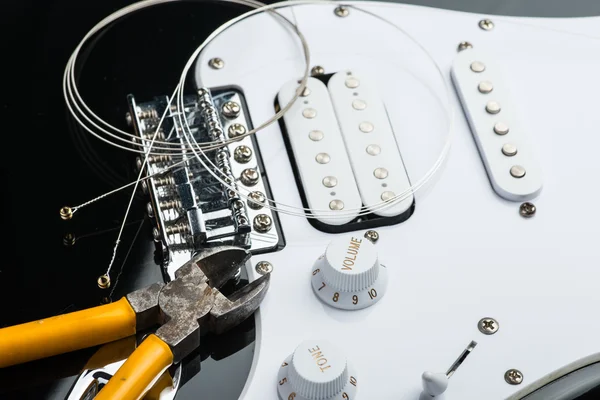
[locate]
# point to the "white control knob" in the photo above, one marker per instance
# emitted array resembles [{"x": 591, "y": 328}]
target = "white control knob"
[
  {"x": 317, "y": 370},
  {"x": 349, "y": 275}
]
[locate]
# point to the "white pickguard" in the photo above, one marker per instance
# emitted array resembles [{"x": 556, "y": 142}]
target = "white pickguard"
[{"x": 465, "y": 253}]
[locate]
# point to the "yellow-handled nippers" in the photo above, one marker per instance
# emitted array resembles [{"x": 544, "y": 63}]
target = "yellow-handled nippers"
[{"x": 183, "y": 308}]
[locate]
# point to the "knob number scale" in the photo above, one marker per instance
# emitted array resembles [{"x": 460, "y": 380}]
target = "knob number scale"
[
  {"x": 349, "y": 300},
  {"x": 317, "y": 370},
  {"x": 349, "y": 275}
]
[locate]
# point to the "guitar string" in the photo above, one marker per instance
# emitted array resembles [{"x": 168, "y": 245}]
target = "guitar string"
[
  {"x": 75, "y": 103},
  {"x": 69, "y": 73},
  {"x": 308, "y": 212},
  {"x": 532, "y": 25},
  {"x": 181, "y": 111}
]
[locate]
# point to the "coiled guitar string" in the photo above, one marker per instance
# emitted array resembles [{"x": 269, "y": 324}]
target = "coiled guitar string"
[
  {"x": 312, "y": 212},
  {"x": 125, "y": 140},
  {"x": 70, "y": 89},
  {"x": 69, "y": 83},
  {"x": 280, "y": 207}
]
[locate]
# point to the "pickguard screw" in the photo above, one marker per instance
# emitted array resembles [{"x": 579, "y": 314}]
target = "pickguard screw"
[
  {"x": 317, "y": 70},
  {"x": 66, "y": 213},
  {"x": 230, "y": 109},
  {"x": 216, "y": 63},
  {"x": 262, "y": 223},
  {"x": 464, "y": 46},
  {"x": 527, "y": 210},
  {"x": 264, "y": 267},
  {"x": 104, "y": 281},
  {"x": 513, "y": 376},
  {"x": 488, "y": 326},
  {"x": 341, "y": 11},
  {"x": 372, "y": 236},
  {"x": 486, "y": 24}
]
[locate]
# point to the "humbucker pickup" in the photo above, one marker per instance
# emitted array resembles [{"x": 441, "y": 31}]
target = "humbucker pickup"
[{"x": 344, "y": 153}]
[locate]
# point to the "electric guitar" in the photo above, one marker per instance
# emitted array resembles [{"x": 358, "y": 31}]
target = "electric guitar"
[{"x": 425, "y": 205}]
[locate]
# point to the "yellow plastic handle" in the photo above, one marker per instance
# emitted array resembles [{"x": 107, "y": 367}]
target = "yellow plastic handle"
[
  {"x": 164, "y": 382},
  {"x": 64, "y": 333},
  {"x": 139, "y": 373}
]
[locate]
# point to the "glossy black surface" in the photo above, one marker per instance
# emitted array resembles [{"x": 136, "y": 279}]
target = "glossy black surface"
[{"x": 48, "y": 163}]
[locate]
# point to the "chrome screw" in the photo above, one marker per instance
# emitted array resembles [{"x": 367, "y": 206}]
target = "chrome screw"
[
  {"x": 242, "y": 154},
  {"x": 488, "y": 326},
  {"x": 249, "y": 177},
  {"x": 169, "y": 205},
  {"x": 264, "y": 267},
  {"x": 230, "y": 109},
  {"x": 236, "y": 130},
  {"x": 341, "y": 11},
  {"x": 464, "y": 45},
  {"x": 262, "y": 223},
  {"x": 527, "y": 210},
  {"x": 486, "y": 24},
  {"x": 149, "y": 210},
  {"x": 216, "y": 63},
  {"x": 181, "y": 228},
  {"x": 156, "y": 234},
  {"x": 513, "y": 376},
  {"x": 372, "y": 236},
  {"x": 317, "y": 70},
  {"x": 256, "y": 200},
  {"x": 144, "y": 187}
]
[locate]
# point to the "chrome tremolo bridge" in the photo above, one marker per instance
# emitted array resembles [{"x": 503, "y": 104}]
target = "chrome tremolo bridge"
[{"x": 191, "y": 208}]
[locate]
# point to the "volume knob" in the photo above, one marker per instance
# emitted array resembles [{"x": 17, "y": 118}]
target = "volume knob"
[
  {"x": 317, "y": 370},
  {"x": 349, "y": 275}
]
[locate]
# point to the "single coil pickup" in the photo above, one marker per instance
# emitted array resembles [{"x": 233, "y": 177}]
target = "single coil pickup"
[{"x": 501, "y": 138}]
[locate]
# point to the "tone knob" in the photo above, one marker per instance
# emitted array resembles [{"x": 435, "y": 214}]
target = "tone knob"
[
  {"x": 349, "y": 275},
  {"x": 317, "y": 370}
]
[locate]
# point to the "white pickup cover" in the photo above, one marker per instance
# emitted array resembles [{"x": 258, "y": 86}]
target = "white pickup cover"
[
  {"x": 508, "y": 158},
  {"x": 374, "y": 155},
  {"x": 320, "y": 154}
]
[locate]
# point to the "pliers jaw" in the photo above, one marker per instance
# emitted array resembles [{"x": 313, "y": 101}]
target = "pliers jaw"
[
  {"x": 228, "y": 312},
  {"x": 219, "y": 264},
  {"x": 192, "y": 303}
]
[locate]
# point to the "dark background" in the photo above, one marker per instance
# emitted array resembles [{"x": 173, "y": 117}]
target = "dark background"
[{"x": 50, "y": 163}]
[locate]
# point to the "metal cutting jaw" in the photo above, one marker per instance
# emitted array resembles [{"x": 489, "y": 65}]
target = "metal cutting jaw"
[{"x": 192, "y": 303}]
